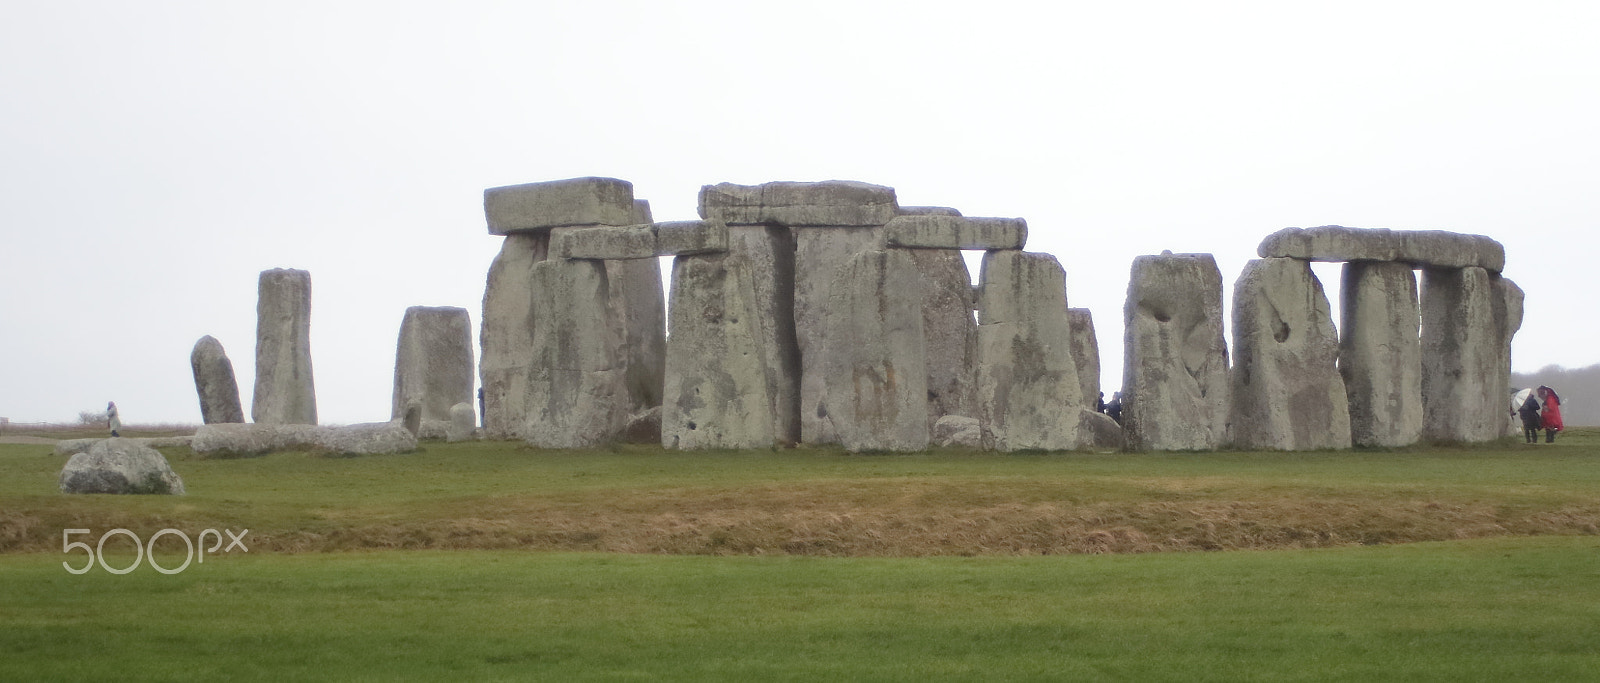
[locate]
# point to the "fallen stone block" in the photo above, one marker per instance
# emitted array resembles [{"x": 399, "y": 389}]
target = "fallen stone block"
[
  {"x": 958, "y": 431},
  {"x": 955, "y": 232},
  {"x": 1175, "y": 373},
  {"x": 215, "y": 383},
  {"x": 120, "y": 466},
  {"x": 631, "y": 242},
  {"x": 688, "y": 238},
  {"x": 1420, "y": 248},
  {"x": 1100, "y": 431},
  {"x": 76, "y": 446},
  {"x": 463, "y": 423},
  {"x": 1287, "y": 391},
  {"x": 558, "y": 204},
  {"x": 827, "y": 203}
]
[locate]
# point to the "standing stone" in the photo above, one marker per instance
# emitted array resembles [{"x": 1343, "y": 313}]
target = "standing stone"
[
  {"x": 1287, "y": 392},
  {"x": 769, "y": 256},
  {"x": 433, "y": 362},
  {"x": 285, "y": 392},
  {"x": 1028, "y": 390},
  {"x": 506, "y": 338},
  {"x": 1380, "y": 353},
  {"x": 1175, "y": 368},
  {"x": 578, "y": 395},
  {"x": 1507, "y": 303},
  {"x": 818, "y": 256},
  {"x": 951, "y": 334},
  {"x": 717, "y": 389},
  {"x": 636, "y": 299},
  {"x": 463, "y": 423},
  {"x": 1459, "y": 356},
  {"x": 1085, "y": 354},
  {"x": 215, "y": 383},
  {"x": 876, "y": 369}
]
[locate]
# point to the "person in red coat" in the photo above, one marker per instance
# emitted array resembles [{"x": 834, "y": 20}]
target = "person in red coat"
[{"x": 1551, "y": 414}]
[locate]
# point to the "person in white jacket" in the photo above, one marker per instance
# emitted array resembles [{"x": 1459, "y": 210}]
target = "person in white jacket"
[{"x": 113, "y": 418}]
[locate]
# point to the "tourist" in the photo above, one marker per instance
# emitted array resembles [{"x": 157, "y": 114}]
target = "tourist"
[
  {"x": 1114, "y": 408},
  {"x": 1100, "y": 403},
  {"x": 113, "y": 418},
  {"x": 1551, "y": 415},
  {"x": 1531, "y": 421}
]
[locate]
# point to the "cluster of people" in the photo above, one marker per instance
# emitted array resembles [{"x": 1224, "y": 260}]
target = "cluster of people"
[
  {"x": 1540, "y": 410},
  {"x": 1114, "y": 408}
]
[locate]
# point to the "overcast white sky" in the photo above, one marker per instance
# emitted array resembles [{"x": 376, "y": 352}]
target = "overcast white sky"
[{"x": 156, "y": 156}]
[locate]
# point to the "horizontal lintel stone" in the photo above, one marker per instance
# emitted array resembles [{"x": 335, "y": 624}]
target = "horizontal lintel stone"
[
  {"x": 687, "y": 238},
  {"x": 842, "y": 203},
  {"x": 1437, "y": 248},
  {"x": 956, "y": 232},
  {"x": 558, "y": 204},
  {"x": 631, "y": 242}
]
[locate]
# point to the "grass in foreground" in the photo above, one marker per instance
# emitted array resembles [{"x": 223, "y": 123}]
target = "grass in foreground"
[
  {"x": 1493, "y": 610},
  {"x": 825, "y": 502}
]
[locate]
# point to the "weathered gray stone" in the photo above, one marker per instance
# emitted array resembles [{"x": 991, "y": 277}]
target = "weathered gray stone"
[
  {"x": 1436, "y": 248},
  {"x": 643, "y": 427},
  {"x": 927, "y": 211},
  {"x": 76, "y": 446},
  {"x": 951, "y": 336},
  {"x": 579, "y": 388},
  {"x": 636, "y": 299},
  {"x": 1287, "y": 392},
  {"x": 1028, "y": 391},
  {"x": 687, "y": 238},
  {"x": 1380, "y": 353},
  {"x": 1175, "y": 369},
  {"x": 215, "y": 383},
  {"x": 1460, "y": 356},
  {"x": 876, "y": 367},
  {"x": 959, "y": 431},
  {"x": 558, "y": 204},
  {"x": 285, "y": 392},
  {"x": 717, "y": 386},
  {"x": 1506, "y": 302},
  {"x": 826, "y": 203},
  {"x": 120, "y": 466},
  {"x": 247, "y": 440},
  {"x": 506, "y": 337},
  {"x": 818, "y": 255},
  {"x": 463, "y": 423},
  {"x": 955, "y": 232},
  {"x": 1099, "y": 431},
  {"x": 769, "y": 254},
  {"x": 1085, "y": 354},
  {"x": 433, "y": 361},
  {"x": 629, "y": 242}
]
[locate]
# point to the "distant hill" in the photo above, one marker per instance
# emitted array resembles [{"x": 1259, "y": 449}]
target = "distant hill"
[{"x": 1579, "y": 389}]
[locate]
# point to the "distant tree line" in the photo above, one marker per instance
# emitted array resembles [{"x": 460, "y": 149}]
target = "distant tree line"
[{"x": 1579, "y": 389}]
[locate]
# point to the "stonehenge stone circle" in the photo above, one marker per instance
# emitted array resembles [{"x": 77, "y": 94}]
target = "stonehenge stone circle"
[
  {"x": 1175, "y": 389},
  {"x": 433, "y": 361},
  {"x": 1460, "y": 357},
  {"x": 718, "y": 393},
  {"x": 875, "y": 371},
  {"x": 578, "y": 394},
  {"x": 1420, "y": 248},
  {"x": 120, "y": 466},
  {"x": 935, "y": 231},
  {"x": 1028, "y": 390},
  {"x": 1380, "y": 352},
  {"x": 285, "y": 392},
  {"x": 506, "y": 334},
  {"x": 559, "y": 204},
  {"x": 1085, "y": 354},
  {"x": 215, "y": 383},
  {"x": 1287, "y": 391}
]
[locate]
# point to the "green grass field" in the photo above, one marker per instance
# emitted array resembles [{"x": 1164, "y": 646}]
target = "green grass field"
[{"x": 479, "y": 561}]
